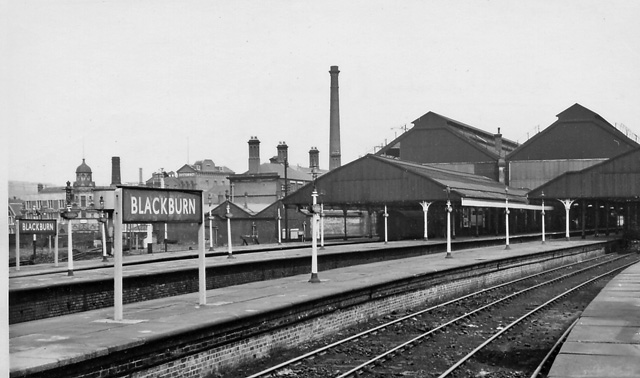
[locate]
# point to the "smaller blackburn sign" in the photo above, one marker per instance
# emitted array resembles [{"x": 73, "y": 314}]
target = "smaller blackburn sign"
[
  {"x": 36, "y": 226},
  {"x": 153, "y": 205}
]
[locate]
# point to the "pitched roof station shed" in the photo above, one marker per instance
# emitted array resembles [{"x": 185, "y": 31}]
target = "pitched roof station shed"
[
  {"x": 603, "y": 193},
  {"x": 377, "y": 183},
  {"x": 451, "y": 144},
  {"x": 579, "y": 139}
]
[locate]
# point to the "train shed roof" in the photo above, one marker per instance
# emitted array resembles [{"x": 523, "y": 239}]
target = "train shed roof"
[
  {"x": 615, "y": 178},
  {"x": 375, "y": 181}
]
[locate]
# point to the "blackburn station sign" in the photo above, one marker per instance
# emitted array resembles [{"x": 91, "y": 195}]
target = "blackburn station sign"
[
  {"x": 46, "y": 227},
  {"x": 146, "y": 206}
]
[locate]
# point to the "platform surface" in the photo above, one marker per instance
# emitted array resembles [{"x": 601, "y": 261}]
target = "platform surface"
[
  {"x": 44, "y": 344},
  {"x": 606, "y": 340}
]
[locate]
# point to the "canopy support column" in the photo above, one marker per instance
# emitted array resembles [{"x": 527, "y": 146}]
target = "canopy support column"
[
  {"x": 567, "y": 207},
  {"x": 386, "y": 228},
  {"x": 425, "y": 209}
]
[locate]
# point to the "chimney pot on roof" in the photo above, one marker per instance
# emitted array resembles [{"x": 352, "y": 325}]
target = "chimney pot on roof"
[
  {"x": 314, "y": 161},
  {"x": 283, "y": 154},
  {"x": 115, "y": 171}
]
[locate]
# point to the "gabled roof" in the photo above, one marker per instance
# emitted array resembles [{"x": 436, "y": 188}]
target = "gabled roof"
[
  {"x": 236, "y": 210},
  {"x": 377, "y": 180},
  {"x": 478, "y": 139},
  {"x": 15, "y": 208},
  {"x": 187, "y": 168},
  {"x": 579, "y": 133},
  {"x": 278, "y": 169},
  {"x": 616, "y": 178}
]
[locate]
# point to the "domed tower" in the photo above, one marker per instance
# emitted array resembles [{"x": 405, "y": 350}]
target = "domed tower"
[
  {"x": 83, "y": 188},
  {"x": 83, "y": 176}
]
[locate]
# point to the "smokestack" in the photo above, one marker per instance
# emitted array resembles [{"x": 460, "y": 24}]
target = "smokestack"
[
  {"x": 314, "y": 160},
  {"x": 115, "y": 171},
  {"x": 283, "y": 152},
  {"x": 140, "y": 176},
  {"x": 254, "y": 154},
  {"x": 501, "y": 162},
  {"x": 334, "y": 121}
]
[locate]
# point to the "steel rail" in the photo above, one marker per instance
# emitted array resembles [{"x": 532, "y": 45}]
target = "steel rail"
[
  {"x": 390, "y": 352},
  {"x": 523, "y": 317},
  {"x": 314, "y": 352},
  {"x": 554, "y": 349}
]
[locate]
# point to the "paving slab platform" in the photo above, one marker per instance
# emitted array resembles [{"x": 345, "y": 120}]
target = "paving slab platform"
[
  {"x": 46, "y": 344},
  {"x": 606, "y": 340}
]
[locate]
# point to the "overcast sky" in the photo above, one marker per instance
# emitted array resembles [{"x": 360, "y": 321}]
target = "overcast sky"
[{"x": 161, "y": 83}]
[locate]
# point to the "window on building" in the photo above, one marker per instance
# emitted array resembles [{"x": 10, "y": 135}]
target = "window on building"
[{"x": 83, "y": 201}]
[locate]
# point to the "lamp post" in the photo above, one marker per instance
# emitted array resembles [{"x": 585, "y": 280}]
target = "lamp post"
[
  {"x": 286, "y": 193},
  {"x": 506, "y": 216},
  {"x": 279, "y": 227},
  {"x": 229, "y": 216},
  {"x": 386, "y": 229},
  {"x": 69, "y": 215},
  {"x": 36, "y": 215},
  {"x": 210, "y": 224},
  {"x": 542, "y": 195},
  {"x": 103, "y": 225},
  {"x": 315, "y": 211},
  {"x": 321, "y": 226},
  {"x": 449, "y": 209}
]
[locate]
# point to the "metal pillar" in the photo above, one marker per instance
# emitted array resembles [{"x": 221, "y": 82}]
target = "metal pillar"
[
  {"x": 567, "y": 207},
  {"x": 506, "y": 217},
  {"x": 314, "y": 239},
  {"x": 103, "y": 225},
  {"x": 449, "y": 209},
  {"x": 596, "y": 209},
  {"x": 542, "y": 214},
  {"x": 386, "y": 229},
  {"x": 279, "y": 227},
  {"x": 321, "y": 226},
  {"x": 230, "y": 250},
  {"x": 17, "y": 245},
  {"x": 425, "y": 209},
  {"x": 117, "y": 253},
  {"x": 55, "y": 246},
  {"x": 584, "y": 219},
  {"x": 69, "y": 250},
  {"x": 202, "y": 268}
]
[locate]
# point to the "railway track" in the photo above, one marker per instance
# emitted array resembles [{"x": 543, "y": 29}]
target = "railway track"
[{"x": 468, "y": 336}]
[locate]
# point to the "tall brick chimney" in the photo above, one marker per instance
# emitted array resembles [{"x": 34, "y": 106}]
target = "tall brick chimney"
[
  {"x": 254, "y": 154},
  {"x": 497, "y": 138},
  {"x": 283, "y": 152},
  {"x": 334, "y": 121},
  {"x": 115, "y": 171}
]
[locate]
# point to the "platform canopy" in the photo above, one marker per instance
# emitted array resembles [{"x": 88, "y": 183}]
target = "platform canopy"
[
  {"x": 375, "y": 181},
  {"x": 617, "y": 179}
]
